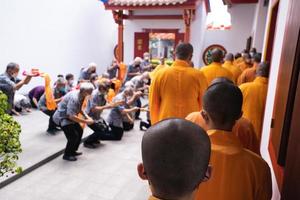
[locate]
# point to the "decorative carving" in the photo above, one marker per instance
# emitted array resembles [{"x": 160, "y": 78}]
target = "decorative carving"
[
  {"x": 118, "y": 16},
  {"x": 207, "y": 53}
]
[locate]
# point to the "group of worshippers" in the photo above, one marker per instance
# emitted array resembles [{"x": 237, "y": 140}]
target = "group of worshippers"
[{"x": 204, "y": 142}]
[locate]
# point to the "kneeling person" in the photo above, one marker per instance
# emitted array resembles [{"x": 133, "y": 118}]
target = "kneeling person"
[{"x": 95, "y": 107}]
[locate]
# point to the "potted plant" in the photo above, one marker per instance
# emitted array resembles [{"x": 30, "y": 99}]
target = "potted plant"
[{"x": 10, "y": 145}]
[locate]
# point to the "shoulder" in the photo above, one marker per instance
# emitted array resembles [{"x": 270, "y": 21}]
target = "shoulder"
[{"x": 193, "y": 117}]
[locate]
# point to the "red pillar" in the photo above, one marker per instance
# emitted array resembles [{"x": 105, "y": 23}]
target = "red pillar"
[
  {"x": 187, "y": 17},
  {"x": 118, "y": 17}
]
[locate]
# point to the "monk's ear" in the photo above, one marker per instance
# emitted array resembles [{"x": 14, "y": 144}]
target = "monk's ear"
[
  {"x": 207, "y": 174},
  {"x": 141, "y": 171},
  {"x": 205, "y": 116}
]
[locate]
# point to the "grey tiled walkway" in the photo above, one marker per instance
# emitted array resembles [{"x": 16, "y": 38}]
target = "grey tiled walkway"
[{"x": 106, "y": 173}]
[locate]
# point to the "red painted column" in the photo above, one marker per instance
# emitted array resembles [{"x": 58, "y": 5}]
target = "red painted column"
[
  {"x": 187, "y": 17},
  {"x": 118, "y": 17}
]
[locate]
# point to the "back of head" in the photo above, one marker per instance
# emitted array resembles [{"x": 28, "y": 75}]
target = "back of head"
[
  {"x": 60, "y": 81},
  {"x": 222, "y": 80},
  {"x": 229, "y": 57},
  {"x": 128, "y": 91},
  {"x": 86, "y": 87},
  {"x": 263, "y": 69},
  {"x": 175, "y": 155},
  {"x": 184, "y": 51},
  {"x": 12, "y": 66},
  {"x": 257, "y": 57},
  {"x": 217, "y": 55},
  {"x": 69, "y": 77},
  {"x": 93, "y": 77},
  {"x": 237, "y": 55},
  {"x": 138, "y": 60},
  {"x": 223, "y": 103}
]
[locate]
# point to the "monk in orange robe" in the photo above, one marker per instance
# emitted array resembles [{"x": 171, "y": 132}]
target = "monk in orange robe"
[
  {"x": 228, "y": 64},
  {"x": 237, "y": 59},
  {"x": 255, "y": 94},
  {"x": 250, "y": 74},
  {"x": 177, "y": 91},
  {"x": 174, "y": 174},
  {"x": 215, "y": 69},
  {"x": 237, "y": 174},
  {"x": 243, "y": 128},
  {"x": 246, "y": 63}
]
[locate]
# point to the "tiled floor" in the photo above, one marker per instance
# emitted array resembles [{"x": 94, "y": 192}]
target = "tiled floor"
[{"x": 105, "y": 173}]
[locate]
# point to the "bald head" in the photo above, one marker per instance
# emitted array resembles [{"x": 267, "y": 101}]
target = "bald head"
[
  {"x": 223, "y": 103},
  {"x": 257, "y": 58},
  {"x": 175, "y": 155},
  {"x": 217, "y": 55},
  {"x": 184, "y": 51},
  {"x": 229, "y": 57},
  {"x": 221, "y": 80},
  {"x": 263, "y": 69}
]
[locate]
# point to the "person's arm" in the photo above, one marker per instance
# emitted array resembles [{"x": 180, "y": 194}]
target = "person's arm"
[
  {"x": 134, "y": 97},
  {"x": 34, "y": 100},
  {"x": 129, "y": 110},
  {"x": 25, "y": 81},
  {"x": 77, "y": 119},
  {"x": 107, "y": 106}
]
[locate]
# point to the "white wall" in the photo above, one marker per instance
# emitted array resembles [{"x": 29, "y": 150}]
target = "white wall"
[
  {"x": 57, "y": 36},
  {"x": 259, "y": 25},
  {"x": 233, "y": 40},
  {"x": 279, "y": 37},
  {"x": 138, "y": 25},
  {"x": 198, "y": 34}
]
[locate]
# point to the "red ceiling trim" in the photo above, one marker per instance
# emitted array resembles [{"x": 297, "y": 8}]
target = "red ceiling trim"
[{"x": 154, "y": 17}]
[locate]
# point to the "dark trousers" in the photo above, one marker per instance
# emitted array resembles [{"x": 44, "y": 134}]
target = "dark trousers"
[
  {"x": 145, "y": 124},
  {"x": 138, "y": 104},
  {"x": 127, "y": 126},
  {"x": 32, "y": 103},
  {"x": 73, "y": 133},
  {"x": 100, "y": 133},
  {"x": 51, "y": 124}
]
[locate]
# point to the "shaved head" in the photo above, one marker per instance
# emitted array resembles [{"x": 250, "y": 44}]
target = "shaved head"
[
  {"x": 257, "y": 57},
  {"x": 237, "y": 55},
  {"x": 229, "y": 57},
  {"x": 176, "y": 155},
  {"x": 263, "y": 69},
  {"x": 217, "y": 55},
  {"x": 221, "y": 80},
  {"x": 184, "y": 51},
  {"x": 223, "y": 103}
]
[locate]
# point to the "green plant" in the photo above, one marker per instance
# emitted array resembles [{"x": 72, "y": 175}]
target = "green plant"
[{"x": 10, "y": 145}]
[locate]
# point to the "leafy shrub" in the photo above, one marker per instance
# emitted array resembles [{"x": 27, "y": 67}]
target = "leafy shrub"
[{"x": 10, "y": 145}]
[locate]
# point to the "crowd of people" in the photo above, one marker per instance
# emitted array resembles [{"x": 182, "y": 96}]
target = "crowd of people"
[{"x": 203, "y": 126}]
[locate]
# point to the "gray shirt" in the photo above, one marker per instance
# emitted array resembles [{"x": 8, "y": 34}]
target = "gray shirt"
[
  {"x": 97, "y": 99},
  {"x": 115, "y": 117},
  {"x": 69, "y": 106}
]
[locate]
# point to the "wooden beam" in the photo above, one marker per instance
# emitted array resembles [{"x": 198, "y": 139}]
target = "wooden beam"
[
  {"x": 148, "y": 30},
  {"x": 154, "y": 17},
  {"x": 177, "y": 7}
]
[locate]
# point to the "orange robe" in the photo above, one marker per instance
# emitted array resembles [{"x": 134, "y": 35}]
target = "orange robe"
[
  {"x": 154, "y": 72},
  {"x": 236, "y": 71},
  {"x": 153, "y": 198},
  {"x": 237, "y": 174},
  {"x": 118, "y": 85},
  {"x": 50, "y": 101},
  {"x": 243, "y": 65},
  {"x": 243, "y": 129},
  {"x": 255, "y": 94},
  {"x": 237, "y": 61},
  {"x": 122, "y": 72},
  {"x": 248, "y": 75},
  {"x": 176, "y": 91},
  {"x": 215, "y": 70},
  {"x": 110, "y": 95}
]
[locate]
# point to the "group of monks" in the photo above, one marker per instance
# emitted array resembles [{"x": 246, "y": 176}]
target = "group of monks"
[{"x": 225, "y": 101}]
